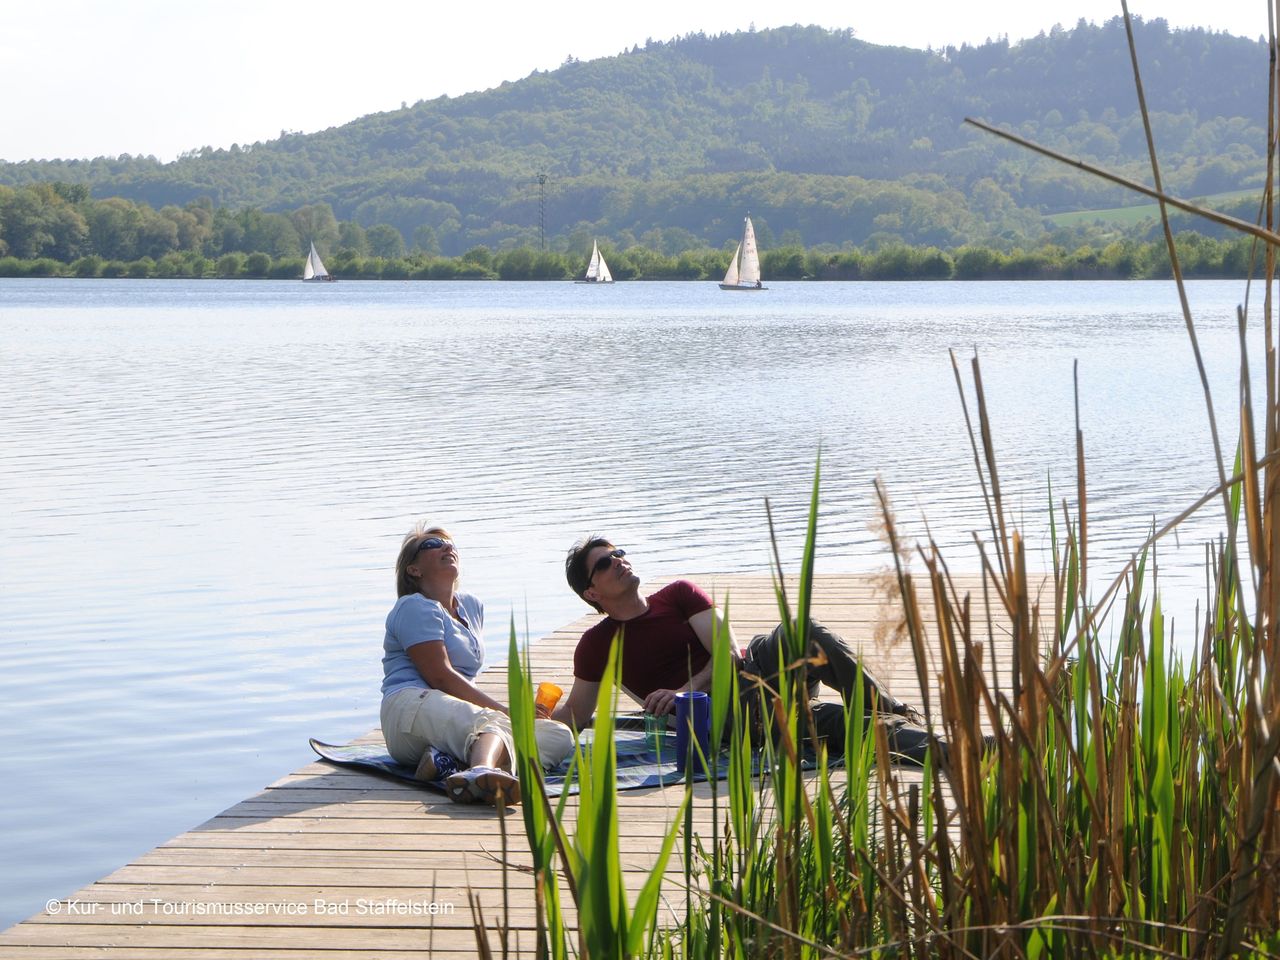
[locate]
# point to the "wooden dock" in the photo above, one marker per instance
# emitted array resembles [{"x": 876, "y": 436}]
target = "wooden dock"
[{"x": 337, "y": 863}]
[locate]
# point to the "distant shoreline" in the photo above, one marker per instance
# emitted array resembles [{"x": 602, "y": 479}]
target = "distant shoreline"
[
  {"x": 802, "y": 280},
  {"x": 1199, "y": 257}
]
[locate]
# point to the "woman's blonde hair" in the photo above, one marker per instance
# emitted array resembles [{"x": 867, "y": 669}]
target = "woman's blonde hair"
[{"x": 405, "y": 583}]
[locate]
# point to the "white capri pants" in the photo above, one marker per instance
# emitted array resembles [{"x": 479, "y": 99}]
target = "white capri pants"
[{"x": 415, "y": 719}]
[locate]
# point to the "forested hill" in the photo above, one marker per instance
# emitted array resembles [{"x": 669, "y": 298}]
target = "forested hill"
[{"x": 825, "y": 138}]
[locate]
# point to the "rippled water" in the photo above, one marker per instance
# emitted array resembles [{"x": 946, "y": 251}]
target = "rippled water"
[{"x": 204, "y": 485}]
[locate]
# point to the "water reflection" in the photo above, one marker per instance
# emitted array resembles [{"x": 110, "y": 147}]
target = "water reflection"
[{"x": 205, "y": 484}]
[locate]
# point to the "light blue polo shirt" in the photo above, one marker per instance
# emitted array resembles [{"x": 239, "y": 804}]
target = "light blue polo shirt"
[{"x": 415, "y": 619}]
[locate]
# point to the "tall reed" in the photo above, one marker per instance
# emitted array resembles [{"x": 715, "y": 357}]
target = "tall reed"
[{"x": 1128, "y": 806}]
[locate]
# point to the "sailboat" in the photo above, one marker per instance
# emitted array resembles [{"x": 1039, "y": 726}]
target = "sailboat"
[
  {"x": 314, "y": 271},
  {"x": 597, "y": 269},
  {"x": 744, "y": 268}
]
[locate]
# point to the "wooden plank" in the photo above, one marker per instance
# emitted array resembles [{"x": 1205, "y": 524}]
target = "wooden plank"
[{"x": 323, "y": 835}]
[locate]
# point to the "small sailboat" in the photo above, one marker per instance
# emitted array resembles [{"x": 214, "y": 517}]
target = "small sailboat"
[
  {"x": 744, "y": 268},
  {"x": 314, "y": 271},
  {"x": 597, "y": 269}
]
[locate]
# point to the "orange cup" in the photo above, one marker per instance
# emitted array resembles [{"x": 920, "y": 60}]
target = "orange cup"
[{"x": 548, "y": 695}]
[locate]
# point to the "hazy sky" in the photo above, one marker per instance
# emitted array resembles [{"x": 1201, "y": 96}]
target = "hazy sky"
[{"x": 84, "y": 78}]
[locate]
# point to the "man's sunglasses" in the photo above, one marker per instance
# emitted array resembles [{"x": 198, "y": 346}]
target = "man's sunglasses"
[
  {"x": 433, "y": 543},
  {"x": 604, "y": 563}
]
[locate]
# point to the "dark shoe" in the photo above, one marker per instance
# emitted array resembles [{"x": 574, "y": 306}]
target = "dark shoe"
[
  {"x": 910, "y": 714},
  {"x": 908, "y": 742},
  {"x": 942, "y": 749}
]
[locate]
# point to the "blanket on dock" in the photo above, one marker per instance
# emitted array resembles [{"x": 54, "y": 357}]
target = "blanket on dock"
[{"x": 642, "y": 761}]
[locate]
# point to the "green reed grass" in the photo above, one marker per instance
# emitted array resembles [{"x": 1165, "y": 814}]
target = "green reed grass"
[
  {"x": 1110, "y": 820},
  {"x": 1129, "y": 806},
  {"x": 589, "y": 858}
]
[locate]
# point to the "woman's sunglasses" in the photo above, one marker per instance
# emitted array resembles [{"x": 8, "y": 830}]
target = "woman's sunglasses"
[
  {"x": 433, "y": 543},
  {"x": 604, "y": 563}
]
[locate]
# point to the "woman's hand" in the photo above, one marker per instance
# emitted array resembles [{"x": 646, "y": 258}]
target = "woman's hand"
[{"x": 541, "y": 712}]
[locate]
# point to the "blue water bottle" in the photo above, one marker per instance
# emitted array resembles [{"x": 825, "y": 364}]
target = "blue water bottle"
[{"x": 692, "y": 706}]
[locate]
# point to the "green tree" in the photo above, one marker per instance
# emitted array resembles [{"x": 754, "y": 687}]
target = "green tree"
[
  {"x": 271, "y": 233},
  {"x": 191, "y": 229},
  {"x": 385, "y": 241},
  {"x": 230, "y": 265},
  {"x": 516, "y": 264},
  {"x": 141, "y": 268},
  {"x": 784, "y": 263},
  {"x": 425, "y": 240},
  {"x": 481, "y": 256},
  {"x": 114, "y": 225},
  {"x": 315, "y": 223},
  {"x": 27, "y": 223},
  {"x": 157, "y": 234},
  {"x": 70, "y": 233},
  {"x": 88, "y": 267},
  {"x": 257, "y": 264},
  {"x": 977, "y": 263},
  {"x": 351, "y": 237},
  {"x": 225, "y": 233}
]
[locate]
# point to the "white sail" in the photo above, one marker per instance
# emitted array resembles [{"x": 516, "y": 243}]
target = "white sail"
[
  {"x": 749, "y": 269},
  {"x": 315, "y": 268},
  {"x": 731, "y": 275},
  {"x": 597, "y": 269},
  {"x": 744, "y": 268}
]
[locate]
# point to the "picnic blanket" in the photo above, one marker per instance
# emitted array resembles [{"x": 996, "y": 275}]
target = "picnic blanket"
[{"x": 642, "y": 761}]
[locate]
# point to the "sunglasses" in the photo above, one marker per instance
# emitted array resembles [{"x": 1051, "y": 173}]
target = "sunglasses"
[
  {"x": 433, "y": 543},
  {"x": 604, "y": 563}
]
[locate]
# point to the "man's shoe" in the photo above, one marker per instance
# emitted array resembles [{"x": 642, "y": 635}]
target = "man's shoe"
[
  {"x": 908, "y": 743},
  {"x": 910, "y": 714}
]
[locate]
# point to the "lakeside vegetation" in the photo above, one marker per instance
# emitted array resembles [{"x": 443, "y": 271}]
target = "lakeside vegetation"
[
  {"x": 1126, "y": 808},
  {"x": 1201, "y": 257}
]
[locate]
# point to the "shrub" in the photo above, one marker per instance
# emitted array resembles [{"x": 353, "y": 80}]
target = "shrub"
[{"x": 88, "y": 267}]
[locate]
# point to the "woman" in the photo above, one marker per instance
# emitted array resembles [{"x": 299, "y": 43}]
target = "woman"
[{"x": 431, "y": 709}]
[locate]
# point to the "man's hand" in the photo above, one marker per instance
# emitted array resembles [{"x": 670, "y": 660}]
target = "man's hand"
[
  {"x": 661, "y": 702},
  {"x": 541, "y": 712}
]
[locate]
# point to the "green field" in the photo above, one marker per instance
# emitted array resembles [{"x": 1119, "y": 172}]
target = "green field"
[{"x": 1133, "y": 215}]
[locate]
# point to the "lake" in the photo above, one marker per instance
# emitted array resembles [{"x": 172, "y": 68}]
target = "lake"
[{"x": 205, "y": 484}]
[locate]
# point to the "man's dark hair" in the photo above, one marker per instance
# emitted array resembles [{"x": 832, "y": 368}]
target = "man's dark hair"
[{"x": 575, "y": 565}]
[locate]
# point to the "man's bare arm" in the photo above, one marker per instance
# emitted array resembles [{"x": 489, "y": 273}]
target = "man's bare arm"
[
  {"x": 578, "y": 707},
  {"x": 704, "y": 625}
]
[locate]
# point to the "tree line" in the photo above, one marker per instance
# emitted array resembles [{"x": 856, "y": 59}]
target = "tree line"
[
  {"x": 57, "y": 229},
  {"x": 1199, "y": 256},
  {"x": 60, "y": 221}
]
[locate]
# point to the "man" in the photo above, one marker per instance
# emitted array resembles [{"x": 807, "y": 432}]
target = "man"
[{"x": 666, "y": 648}]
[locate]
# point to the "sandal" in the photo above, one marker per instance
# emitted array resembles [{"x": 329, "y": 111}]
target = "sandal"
[{"x": 484, "y": 785}]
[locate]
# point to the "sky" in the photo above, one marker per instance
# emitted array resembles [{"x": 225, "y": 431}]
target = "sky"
[{"x": 87, "y": 78}]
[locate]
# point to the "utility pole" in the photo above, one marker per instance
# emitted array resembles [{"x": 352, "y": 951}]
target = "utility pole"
[{"x": 542, "y": 209}]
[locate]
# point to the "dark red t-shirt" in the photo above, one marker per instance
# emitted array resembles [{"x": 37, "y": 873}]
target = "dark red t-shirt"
[{"x": 660, "y": 651}]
